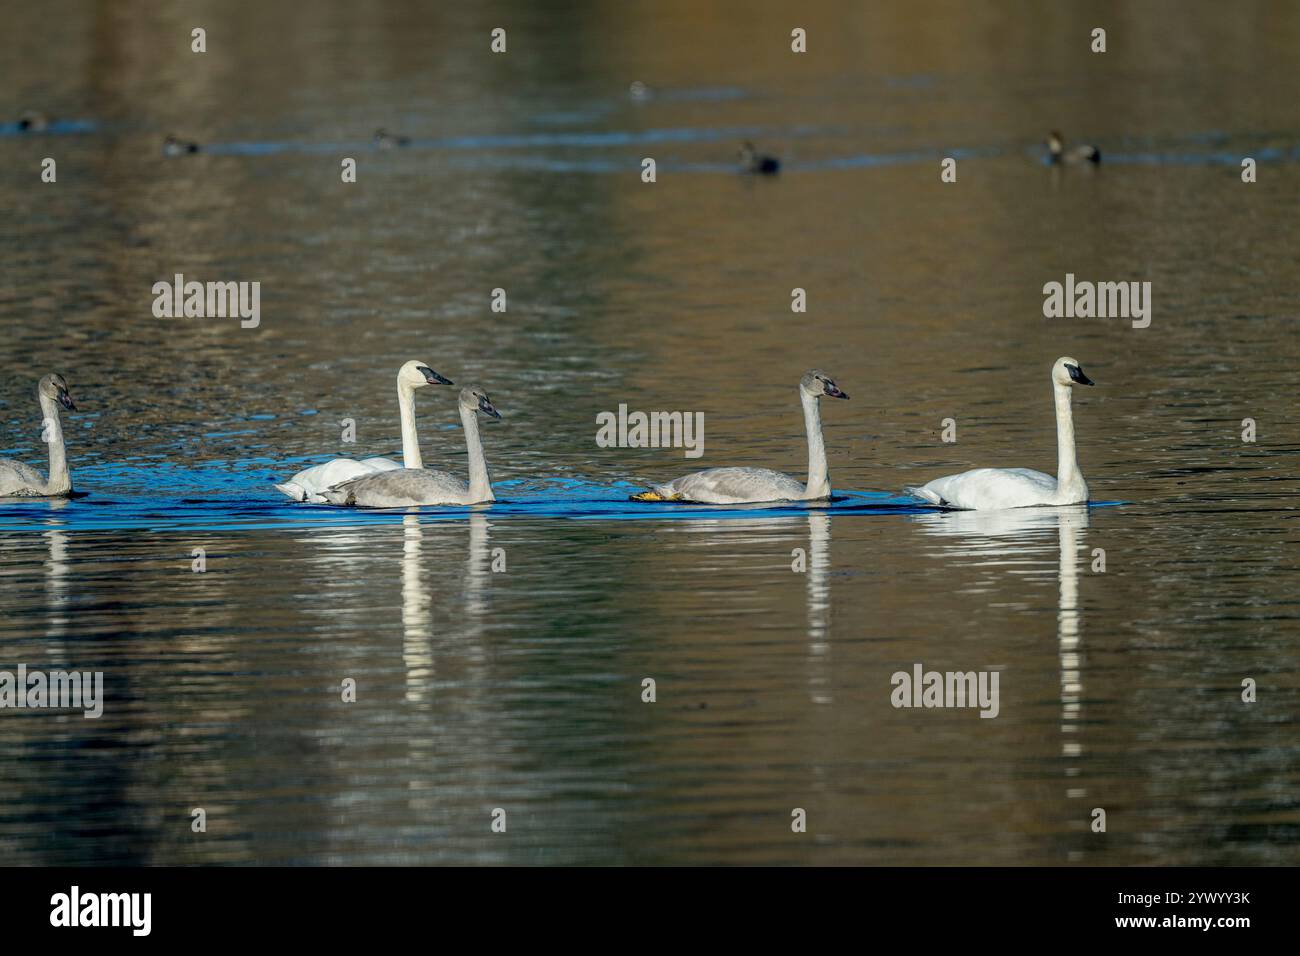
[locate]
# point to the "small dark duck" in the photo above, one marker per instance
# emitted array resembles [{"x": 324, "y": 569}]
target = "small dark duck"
[
  {"x": 752, "y": 161},
  {"x": 178, "y": 147},
  {"x": 386, "y": 140},
  {"x": 1057, "y": 154},
  {"x": 33, "y": 122}
]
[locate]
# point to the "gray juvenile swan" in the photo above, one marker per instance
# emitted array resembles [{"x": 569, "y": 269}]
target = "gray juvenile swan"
[
  {"x": 308, "y": 484},
  {"x": 406, "y": 487},
  {"x": 21, "y": 481},
  {"x": 732, "y": 486}
]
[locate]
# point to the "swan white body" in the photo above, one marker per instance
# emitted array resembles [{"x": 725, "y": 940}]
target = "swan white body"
[
  {"x": 308, "y": 484},
  {"x": 22, "y": 481},
  {"x": 731, "y": 486},
  {"x": 988, "y": 489},
  {"x": 409, "y": 487}
]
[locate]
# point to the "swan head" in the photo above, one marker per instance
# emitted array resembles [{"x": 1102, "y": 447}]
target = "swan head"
[
  {"x": 1068, "y": 371},
  {"x": 473, "y": 398},
  {"x": 53, "y": 386},
  {"x": 816, "y": 383},
  {"x": 1055, "y": 142},
  {"x": 418, "y": 374}
]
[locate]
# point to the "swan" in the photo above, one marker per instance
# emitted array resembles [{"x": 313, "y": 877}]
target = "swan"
[
  {"x": 732, "y": 486},
  {"x": 1057, "y": 153},
  {"x": 178, "y": 147},
  {"x": 21, "y": 481},
  {"x": 985, "y": 489},
  {"x": 407, "y": 487},
  {"x": 386, "y": 140},
  {"x": 308, "y": 484},
  {"x": 752, "y": 161}
]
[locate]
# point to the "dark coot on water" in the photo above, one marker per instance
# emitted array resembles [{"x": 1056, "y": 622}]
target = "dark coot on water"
[
  {"x": 386, "y": 140},
  {"x": 754, "y": 162},
  {"x": 178, "y": 147},
  {"x": 1058, "y": 154}
]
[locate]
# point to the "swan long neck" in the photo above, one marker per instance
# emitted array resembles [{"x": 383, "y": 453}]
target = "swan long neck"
[
  {"x": 819, "y": 485},
  {"x": 480, "y": 482},
  {"x": 1067, "y": 463},
  {"x": 410, "y": 441},
  {"x": 52, "y": 431}
]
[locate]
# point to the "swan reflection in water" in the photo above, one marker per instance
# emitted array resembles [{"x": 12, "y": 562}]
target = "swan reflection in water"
[
  {"x": 444, "y": 607},
  {"x": 417, "y": 619},
  {"x": 819, "y": 606},
  {"x": 417, "y": 602},
  {"x": 1009, "y": 537},
  {"x": 786, "y": 534},
  {"x": 56, "y": 583}
]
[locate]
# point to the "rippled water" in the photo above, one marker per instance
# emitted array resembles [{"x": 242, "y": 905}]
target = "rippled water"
[{"x": 499, "y": 652}]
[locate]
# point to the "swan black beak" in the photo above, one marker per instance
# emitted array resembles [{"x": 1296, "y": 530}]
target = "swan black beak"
[
  {"x": 66, "y": 401},
  {"x": 833, "y": 391},
  {"x": 1077, "y": 376},
  {"x": 433, "y": 378},
  {"x": 487, "y": 408}
]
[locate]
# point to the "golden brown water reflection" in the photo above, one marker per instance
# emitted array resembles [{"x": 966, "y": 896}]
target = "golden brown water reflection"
[{"x": 522, "y": 689}]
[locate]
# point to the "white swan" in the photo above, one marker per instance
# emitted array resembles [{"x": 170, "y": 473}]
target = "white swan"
[
  {"x": 308, "y": 484},
  {"x": 985, "y": 489},
  {"x": 731, "y": 486},
  {"x": 407, "y": 487},
  {"x": 22, "y": 481}
]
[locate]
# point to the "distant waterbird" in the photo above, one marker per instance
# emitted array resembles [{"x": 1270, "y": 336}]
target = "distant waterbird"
[
  {"x": 386, "y": 140},
  {"x": 752, "y": 161},
  {"x": 178, "y": 147},
  {"x": 1057, "y": 154},
  {"x": 33, "y": 121}
]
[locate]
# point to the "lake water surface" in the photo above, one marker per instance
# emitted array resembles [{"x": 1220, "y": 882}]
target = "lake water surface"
[{"x": 480, "y": 688}]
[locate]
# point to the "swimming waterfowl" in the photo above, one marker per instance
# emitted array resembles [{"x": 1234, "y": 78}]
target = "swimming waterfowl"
[
  {"x": 178, "y": 147},
  {"x": 22, "y": 481},
  {"x": 308, "y": 484},
  {"x": 407, "y": 487},
  {"x": 752, "y": 161},
  {"x": 986, "y": 489},
  {"x": 386, "y": 140},
  {"x": 33, "y": 121},
  {"x": 730, "y": 486},
  {"x": 1058, "y": 154}
]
